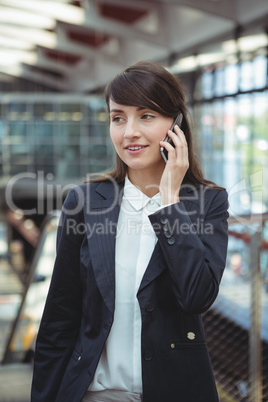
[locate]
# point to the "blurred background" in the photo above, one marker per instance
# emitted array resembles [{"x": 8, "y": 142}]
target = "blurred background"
[{"x": 55, "y": 60}]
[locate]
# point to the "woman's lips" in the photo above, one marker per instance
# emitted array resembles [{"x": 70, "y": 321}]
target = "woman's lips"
[{"x": 135, "y": 149}]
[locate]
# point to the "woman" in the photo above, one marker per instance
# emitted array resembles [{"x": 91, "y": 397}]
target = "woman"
[{"x": 140, "y": 256}]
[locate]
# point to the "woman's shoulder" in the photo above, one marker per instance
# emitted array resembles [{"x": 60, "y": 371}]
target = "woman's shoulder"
[
  {"x": 86, "y": 186},
  {"x": 87, "y": 191},
  {"x": 213, "y": 194},
  {"x": 215, "y": 199},
  {"x": 205, "y": 191},
  {"x": 215, "y": 191},
  {"x": 206, "y": 198}
]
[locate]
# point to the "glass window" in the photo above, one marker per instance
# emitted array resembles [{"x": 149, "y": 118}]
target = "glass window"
[
  {"x": 97, "y": 151},
  {"x": 43, "y": 132},
  {"x": 246, "y": 76},
  {"x": 64, "y": 138},
  {"x": 260, "y": 111},
  {"x": 96, "y": 110},
  {"x": 232, "y": 152},
  {"x": 70, "y": 112},
  {"x": 207, "y": 84},
  {"x": 97, "y": 132},
  {"x": 18, "y": 129},
  {"x": 259, "y": 171},
  {"x": 260, "y": 72},
  {"x": 91, "y": 168},
  {"x": 219, "y": 82},
  {"x": 65, "y": 169},
  {"x": 46, "y": 166},
  {"x": 231, "y": 78},
  {"x": 1, "y": 130},
  {"x": 70, "y": 133},
  {"x": 18, "y": 168},
  {"x": 233, "y": 140},
  {"x": 44, "y": 150},
  {"x": 17, "y": 149},
  {"x": 44, "y": 111},
  {"x": 17, "y": 111},
  {"x": 70, "y": 107},
  {"x": 211, "y": 139}
]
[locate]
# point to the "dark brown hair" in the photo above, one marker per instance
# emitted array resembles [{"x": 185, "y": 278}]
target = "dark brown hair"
[{"x": 150, "y": 86}]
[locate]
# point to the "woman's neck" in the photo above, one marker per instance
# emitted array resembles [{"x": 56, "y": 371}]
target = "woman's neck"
[{"x": 146, "y": 182}]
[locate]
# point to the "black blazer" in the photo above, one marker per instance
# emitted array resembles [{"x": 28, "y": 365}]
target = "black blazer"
[{"x": 181, "y": 281}]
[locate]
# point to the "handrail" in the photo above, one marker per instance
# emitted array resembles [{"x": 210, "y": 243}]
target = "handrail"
[
  {"x": 43, "y": 232},
  {"x": 248, "y": 219},
  {"x": 18, "y": 221}
]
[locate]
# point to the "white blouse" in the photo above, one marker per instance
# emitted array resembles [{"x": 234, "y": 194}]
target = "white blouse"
[{"x": 120, "y": 363}]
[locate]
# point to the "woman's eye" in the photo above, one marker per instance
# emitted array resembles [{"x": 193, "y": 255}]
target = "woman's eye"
[
  {"x": 147, "y": 116},
  {"x": 117, "y": 119}
]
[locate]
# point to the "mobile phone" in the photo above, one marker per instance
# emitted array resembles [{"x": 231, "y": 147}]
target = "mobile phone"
[{"x": 163, "y": 150}]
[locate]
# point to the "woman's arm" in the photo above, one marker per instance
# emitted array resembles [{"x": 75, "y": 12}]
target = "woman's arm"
[
  {"x": 61, "y": 319},
  {"x": 196, "y": 252}
]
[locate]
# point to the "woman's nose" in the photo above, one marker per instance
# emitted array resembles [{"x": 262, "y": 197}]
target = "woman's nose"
[{"x": 132, "y": 130}]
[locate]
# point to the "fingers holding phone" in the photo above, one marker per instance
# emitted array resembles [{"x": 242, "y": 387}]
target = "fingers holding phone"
[
  {"x": 172, "y": 137},
  {"x": 179, "y": 151},
  {"x": 177, "y": 164},
  {"x": 168, "y": 139},
  {"x": 176, "y": 148}
]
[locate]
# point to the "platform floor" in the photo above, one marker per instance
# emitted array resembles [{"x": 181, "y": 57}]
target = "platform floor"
[
  {"x": 15, "y": 382},
  {"x": 11, "y": 289},
  {"x": 15, "y": 379}
]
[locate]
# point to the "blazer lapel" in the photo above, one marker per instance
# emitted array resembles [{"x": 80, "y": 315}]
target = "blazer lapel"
[
  {"x": 101, "y": 216},
  {"x": 155, "y": 267}
]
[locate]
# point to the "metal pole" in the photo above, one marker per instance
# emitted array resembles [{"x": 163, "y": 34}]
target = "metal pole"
[{"x": 255, "y": 363}]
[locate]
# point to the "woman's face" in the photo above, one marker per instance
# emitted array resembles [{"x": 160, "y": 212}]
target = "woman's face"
[{"x": 136, "y": 134}]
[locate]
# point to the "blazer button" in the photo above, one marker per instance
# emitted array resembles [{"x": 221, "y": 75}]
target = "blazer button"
[
  {"x": 171, "y": 241},
  {"x": 163, "y": 220},
  {"x": 148, "y": 355},
  {"x": 167, "y": 234},
  {"x": 166, "y": 228},
  {"x": 150, "y": 306},
  {"x": 191, "y": 336}
]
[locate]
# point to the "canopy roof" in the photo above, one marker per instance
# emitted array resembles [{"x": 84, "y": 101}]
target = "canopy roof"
[{"x": 79, "y": 45}]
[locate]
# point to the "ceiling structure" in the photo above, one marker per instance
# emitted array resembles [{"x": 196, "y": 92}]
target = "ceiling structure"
[{"x": 80, "y": 45}]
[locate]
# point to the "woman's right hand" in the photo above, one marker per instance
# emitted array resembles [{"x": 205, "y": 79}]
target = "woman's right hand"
[{"x": 176, "y": 166}]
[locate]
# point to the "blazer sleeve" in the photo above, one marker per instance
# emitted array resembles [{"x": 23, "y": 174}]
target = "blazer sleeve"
[
  {"x": 61, "y": 319},
  {"x": 194, "y": 245}
]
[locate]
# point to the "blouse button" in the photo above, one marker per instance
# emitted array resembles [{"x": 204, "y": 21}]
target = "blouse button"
[
  {"x": 148, "y": 355},
  {"x": 150, "y": 306}
]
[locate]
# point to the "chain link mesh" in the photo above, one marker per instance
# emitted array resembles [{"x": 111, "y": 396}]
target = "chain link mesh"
[{"x": 237, "y": 327}]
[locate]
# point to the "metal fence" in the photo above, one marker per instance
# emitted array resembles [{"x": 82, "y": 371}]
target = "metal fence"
[{"x": 237, "y": 323}]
